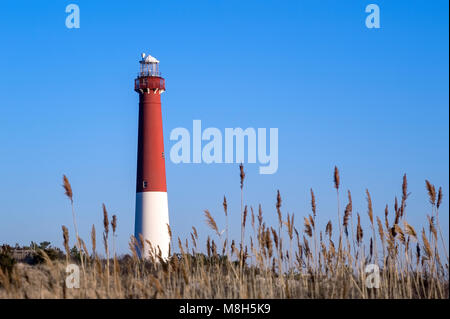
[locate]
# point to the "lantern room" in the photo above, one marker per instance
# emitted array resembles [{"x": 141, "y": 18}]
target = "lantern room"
[{"x": 149, "y": 78}]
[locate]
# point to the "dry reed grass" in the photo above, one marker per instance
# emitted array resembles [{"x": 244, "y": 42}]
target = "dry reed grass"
[{"x": 310, "y": 267}]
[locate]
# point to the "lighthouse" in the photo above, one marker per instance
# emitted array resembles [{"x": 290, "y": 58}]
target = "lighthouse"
[{"x": 152, "y": 213}]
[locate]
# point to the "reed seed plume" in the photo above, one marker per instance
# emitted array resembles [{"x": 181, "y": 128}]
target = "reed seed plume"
[
  {"x": 404, "y": 195},
  {"x": 208, "y": 246},
  {"x": 336, "y": 186},
  {"x": 397, "y": 212},
  {"x": 260, "y": 216},
  {"x": 432, "y": 226},
  {"x": 105, "y": 241},
  {"x": 180, "y": 245},
  {"x": 399, "y": 232},
  {"x": 296, "y": 233},
  {"x": 336, "y": 178},
  {"x": 311, "y": 220},
  {"x": 359, "y": 231},
  {"x": 409, "y": 230},
  {"x": 417, "y": 253},
  {"x": 439, "y": 199},
  {"x": 349, "y": 194},
  {"x": 169, "y": 231},
  {"x": 369, "y": 206},
  {"x": 347, "y": 214},
  {"x": 268, "y": 242},
  {"x": 308, "y": 228},
  {"x": 380, "y": 229},
  {"x": 313, "y": 203},
  {"x": 396, "y": 205},
  {"x": 278, "y": 206},
  {"x": 211, "y": 222},
  {"x": 329, "y": 229},
  {"x": 242, "y": 174},
  {"x": 105, "y": 219},
  {"x": 405, "y": 186},
  {"x": 67, "y": 188},
  {"x": 306, "y": 246},
  {"x": 252, "y": 216},
  {"x": 93, "y": 239},
  {"x": 426, "y": 245},
  {"x": 225, "y": 206},
  {"x": 290, "y": 226},
  {"x": 431, "y": 192},
  {"x": 386, "y": 214},
  {"x": 225, "y": 246},
  {"x": 244, "y": 218},
  {"x": 275, "y": 236},
  {"x": 214, "y": 248},
  {"x": 114, "y": 223}
]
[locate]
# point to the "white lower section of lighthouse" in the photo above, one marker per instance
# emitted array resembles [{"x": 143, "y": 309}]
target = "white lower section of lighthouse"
[{"x": 152, "y": 218}]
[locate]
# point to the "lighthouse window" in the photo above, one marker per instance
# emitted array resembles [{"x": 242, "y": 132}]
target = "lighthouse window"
[{"x": 144, "y": 184}]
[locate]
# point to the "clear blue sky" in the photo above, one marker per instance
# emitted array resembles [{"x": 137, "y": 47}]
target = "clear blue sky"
[{"x": 372, "y": 102}]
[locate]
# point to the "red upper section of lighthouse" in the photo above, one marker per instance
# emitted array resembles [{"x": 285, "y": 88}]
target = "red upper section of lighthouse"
[
  {"x": 151, "y": 170},
  {"x": 143, "y": 83}
]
